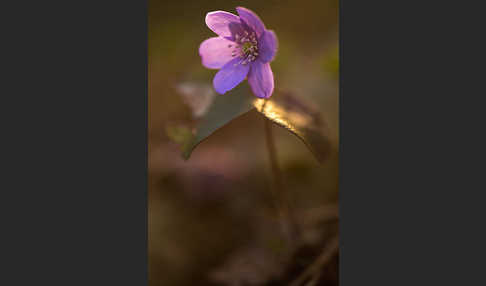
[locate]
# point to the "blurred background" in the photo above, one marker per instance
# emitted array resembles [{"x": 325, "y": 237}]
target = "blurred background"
[{"x": 212, "y": 219}]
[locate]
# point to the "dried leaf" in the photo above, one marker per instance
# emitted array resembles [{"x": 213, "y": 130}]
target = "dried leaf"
[
  {"x": 298, "y": 117},
  {"x": 198, "y": 96}
]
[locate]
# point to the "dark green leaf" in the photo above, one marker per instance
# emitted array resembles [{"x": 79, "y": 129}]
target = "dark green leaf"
[
  {"x": 300, "y": 118},
  {"x": 223, "y": 109}
]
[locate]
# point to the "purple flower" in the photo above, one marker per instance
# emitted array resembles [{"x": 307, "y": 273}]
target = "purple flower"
[{"x": 243, "y": 49}]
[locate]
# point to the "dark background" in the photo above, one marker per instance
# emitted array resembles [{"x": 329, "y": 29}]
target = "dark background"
[{"x": 210, "y": 216}]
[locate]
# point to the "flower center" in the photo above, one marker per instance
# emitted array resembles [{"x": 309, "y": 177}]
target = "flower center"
[{"x": 246, "y": 47}]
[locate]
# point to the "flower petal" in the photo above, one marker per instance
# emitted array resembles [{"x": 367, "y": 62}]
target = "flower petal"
[
  {"x": 252, "y": 20},
  {"x": 218, "y": 22},
  {"x": 260, "y": 79},
  {"x": 230, "y": 76},
  {"x": 235, "y": 29},
  {"x": 267, "y": 45},
  {"x": 216, "y": 52}
]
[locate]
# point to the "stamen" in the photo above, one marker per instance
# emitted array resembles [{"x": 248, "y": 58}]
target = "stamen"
[{"x": 246, "y": 47}]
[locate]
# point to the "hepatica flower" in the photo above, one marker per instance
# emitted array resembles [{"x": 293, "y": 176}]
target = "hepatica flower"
[{"x": 243, "y": 49}]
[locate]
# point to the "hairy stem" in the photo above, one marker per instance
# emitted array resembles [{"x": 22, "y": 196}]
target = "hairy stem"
[
  {"x": 272, "y": 152},
  {"x": 279, "y": 191}
]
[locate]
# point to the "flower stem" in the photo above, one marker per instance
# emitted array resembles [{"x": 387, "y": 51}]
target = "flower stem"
[
  {"x": 272, "y": 152},
  {"x": 279, "y": 192}
]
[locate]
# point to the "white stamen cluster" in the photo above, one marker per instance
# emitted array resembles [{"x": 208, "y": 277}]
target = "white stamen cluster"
[{"x": 246, "y": 48}]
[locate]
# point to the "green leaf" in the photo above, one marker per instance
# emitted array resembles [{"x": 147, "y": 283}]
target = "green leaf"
[
  {"x": 224, "y": 109},
  {"x": 287, "y": 111},
  {"x": 300, "y": 118}
]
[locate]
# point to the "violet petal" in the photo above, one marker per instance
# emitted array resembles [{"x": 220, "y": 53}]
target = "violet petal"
[
  {"x": 235, "y": 29},
  {"x": 252, "y": 20},
  {"x": 260, "y": 79},
  {"x": 268, "y": 45},
  {"x": 218, "y": 22},
  {"x": 215, "y": 52},
  {"x": 230, "y": 76}
]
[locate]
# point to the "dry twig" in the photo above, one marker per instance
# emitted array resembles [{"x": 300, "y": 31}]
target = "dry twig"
[{"x": 314, "y": 270}]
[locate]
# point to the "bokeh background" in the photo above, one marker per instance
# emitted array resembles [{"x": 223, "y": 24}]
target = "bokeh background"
[{"x": 212, "y": 220}]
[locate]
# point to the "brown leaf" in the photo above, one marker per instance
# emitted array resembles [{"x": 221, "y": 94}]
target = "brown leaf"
[{"x": 300, "y": 118}]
